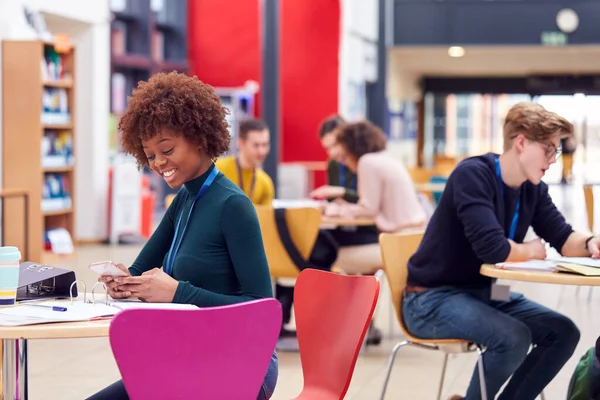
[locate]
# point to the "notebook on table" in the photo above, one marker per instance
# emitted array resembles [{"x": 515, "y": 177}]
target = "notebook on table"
[
  {"x": 43, "y": 313},
  {"x": 585, "y": 266}
]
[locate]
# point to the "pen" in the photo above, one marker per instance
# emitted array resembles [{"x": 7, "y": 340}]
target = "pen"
[{"x": 54, "y": 308}]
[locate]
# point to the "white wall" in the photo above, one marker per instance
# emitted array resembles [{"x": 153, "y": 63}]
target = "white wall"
[
  {"x": 358, "y": 55},
  {"x": 88, "y": 24}
]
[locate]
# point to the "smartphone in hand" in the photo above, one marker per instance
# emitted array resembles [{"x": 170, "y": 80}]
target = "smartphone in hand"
[{"x": 107, "y": 268}]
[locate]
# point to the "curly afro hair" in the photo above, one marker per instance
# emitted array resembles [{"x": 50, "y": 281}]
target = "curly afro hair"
[
  {"x": 178, "y": 102},
  {"x": 360, "y": 138}
]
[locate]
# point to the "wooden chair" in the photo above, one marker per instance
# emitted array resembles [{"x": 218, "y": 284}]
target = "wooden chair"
[
  {"x": 303, "y": 225},
  {"x": 396, "y": 249},
  {"x": 588, "y": 193}
]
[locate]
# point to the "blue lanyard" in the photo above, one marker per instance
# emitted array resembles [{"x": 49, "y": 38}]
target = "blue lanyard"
[
  {"x": 343, "y": 177},
  {"x": 175, "y": 246},
  {"x": 515, "y": 219}
]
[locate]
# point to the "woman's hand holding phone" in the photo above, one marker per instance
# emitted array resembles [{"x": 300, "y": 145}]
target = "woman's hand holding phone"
[{"x": 113, "y": 286}]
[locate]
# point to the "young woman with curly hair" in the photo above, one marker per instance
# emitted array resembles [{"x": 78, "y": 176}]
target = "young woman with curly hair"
[
  {"x": 385, "y": 189},
  {"x": 209, "y": 241}
]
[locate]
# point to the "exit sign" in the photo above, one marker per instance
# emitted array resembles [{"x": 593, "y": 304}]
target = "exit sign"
[{"x": 554, "y": 39}]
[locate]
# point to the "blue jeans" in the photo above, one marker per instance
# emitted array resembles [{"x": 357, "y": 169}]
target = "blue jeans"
[
  {"x": 117, "y": 391},
  {"x": 506, "y": 328}
]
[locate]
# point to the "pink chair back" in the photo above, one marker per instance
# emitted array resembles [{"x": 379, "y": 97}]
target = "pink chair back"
[{"x": 217, "y": 353}]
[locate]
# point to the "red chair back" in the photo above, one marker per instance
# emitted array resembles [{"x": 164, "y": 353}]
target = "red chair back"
[{"x": 333, "y": 313}]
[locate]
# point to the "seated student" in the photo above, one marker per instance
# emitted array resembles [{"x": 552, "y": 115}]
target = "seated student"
[
  {"x": 385, "y": 189},
  {"x": 385, "y": 193},
  {"x": 341, "y": 182},
  {"x": 245, "y": 168},
  {"x": 209, "y": 241},
  {"x": 488, "y": 205}
]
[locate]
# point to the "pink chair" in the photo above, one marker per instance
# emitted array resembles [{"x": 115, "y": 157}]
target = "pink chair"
[{"x": 217, "y": 353}]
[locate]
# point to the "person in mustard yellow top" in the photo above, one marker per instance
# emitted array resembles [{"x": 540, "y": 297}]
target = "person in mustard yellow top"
[{"x": 244, "y": 169}]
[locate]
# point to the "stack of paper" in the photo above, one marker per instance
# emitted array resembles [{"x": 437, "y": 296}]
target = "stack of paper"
[
  {"x": 32, "y": 313},
  {"x": 531, "y": 265},
  {"x": 577, "y": 265}
]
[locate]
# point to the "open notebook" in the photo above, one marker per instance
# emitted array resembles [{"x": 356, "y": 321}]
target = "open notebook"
[
  {"x": 576, "y": 265},
  {"x": 31, "y": 313}
]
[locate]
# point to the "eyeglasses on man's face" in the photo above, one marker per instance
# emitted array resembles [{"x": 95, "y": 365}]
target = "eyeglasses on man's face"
[{"x": 550, "y": 149}]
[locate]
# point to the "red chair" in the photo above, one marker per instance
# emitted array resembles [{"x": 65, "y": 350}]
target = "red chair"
[
  {"x": 216, "y": 353},
  {"x": 332, "y": 313}
]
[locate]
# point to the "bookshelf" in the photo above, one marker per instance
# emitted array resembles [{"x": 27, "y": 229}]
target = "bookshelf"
[
  {"x": 38, "y": 141},
  {"x": 147, "y": 37}
]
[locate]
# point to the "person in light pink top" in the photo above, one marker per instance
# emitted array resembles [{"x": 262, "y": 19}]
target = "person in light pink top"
[{"x": 385, "y": 189}]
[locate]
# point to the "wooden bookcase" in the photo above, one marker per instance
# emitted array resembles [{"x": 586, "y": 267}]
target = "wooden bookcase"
[{"x": 38, "y": 115}]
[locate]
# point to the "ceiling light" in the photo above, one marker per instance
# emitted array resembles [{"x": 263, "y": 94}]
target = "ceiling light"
[{"x": 456, "y": 51}]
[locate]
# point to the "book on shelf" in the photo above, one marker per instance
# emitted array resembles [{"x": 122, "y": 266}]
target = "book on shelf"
[
  {"x": 53, "y": 66},
  {"x": 55, "y": 193},
  {"x": 57, "y": 149},
  {"x": 55, "y": 106}
]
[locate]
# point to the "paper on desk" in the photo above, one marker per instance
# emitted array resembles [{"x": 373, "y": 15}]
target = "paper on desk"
[
  {"x": 531, "y": 265},
  {"x": 78, "y": 311},
  {"x": 587, "y": 261},
  {"x": 129, "y": 304},
  {"x": 300, "y": 203}
]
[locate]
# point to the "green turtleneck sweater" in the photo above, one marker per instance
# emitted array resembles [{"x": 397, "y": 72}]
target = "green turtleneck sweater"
[{"x": 221, "y": 259}]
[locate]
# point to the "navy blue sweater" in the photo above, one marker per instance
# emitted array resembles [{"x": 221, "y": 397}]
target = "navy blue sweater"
[{"x": 471, "y": 223}]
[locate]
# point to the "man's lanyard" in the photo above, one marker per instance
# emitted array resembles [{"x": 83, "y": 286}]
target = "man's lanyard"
[
  {"x": 176, "y": 243},
  {"x": 515, "y": 219},
  {"x": 241, "y": 178},
  {"x": 343, "y": 178}
]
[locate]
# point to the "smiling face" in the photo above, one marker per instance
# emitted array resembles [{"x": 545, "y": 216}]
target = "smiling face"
[
  {"x": 173, "y": 157},
  {"x": 536, "y": 157},
  {"x": 255, "y": 146}
]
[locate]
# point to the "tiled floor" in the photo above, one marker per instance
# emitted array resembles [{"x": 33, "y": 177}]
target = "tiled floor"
[{"x": 74, "y": 369}]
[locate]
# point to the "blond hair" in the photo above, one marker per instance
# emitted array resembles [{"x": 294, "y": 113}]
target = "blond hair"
[{"x": 535, "y": 123}]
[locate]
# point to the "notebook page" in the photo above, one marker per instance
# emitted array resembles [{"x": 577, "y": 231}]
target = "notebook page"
[
  {"x": 78, "y": 311},
  {"x": 531, "y": 265}
]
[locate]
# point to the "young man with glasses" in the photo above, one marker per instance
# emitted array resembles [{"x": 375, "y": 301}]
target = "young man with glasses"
[{"x": 488, "y": 205}]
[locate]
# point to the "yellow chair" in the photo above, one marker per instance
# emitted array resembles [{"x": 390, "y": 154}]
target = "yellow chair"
[
  {"x": 168, "y": 200},
  {"x": 588, "y": 192},
  {"x": 396, "y": 249},
  {"x": 303, "y": 225}
]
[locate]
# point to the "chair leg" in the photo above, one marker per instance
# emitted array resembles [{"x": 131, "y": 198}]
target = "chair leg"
[
  {"x": 439, "y": 396},
  {"x": 481, "y": 374},
  {"x": 390, "y": 365}
]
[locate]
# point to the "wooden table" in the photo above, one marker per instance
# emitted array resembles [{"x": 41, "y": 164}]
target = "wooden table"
[
  {"x": 14, "y": 349},
  {"x": 560, "y": 278},
  {"x": 430, "y": 187},
  {"x": 338, "y": 221}
]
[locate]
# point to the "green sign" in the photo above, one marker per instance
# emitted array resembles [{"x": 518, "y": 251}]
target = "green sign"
[{"x": 554, "y": 39}]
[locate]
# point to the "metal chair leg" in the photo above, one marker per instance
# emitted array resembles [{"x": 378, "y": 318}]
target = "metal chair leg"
[
  {"x": 390, "y": 365},
  {"x": 439, "y": 396},
  {"x": 481, "y": 374}
]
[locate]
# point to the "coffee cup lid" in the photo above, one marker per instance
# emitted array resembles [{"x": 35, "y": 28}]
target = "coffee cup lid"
[{"x": 9, "y": 253}]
